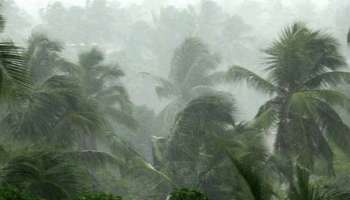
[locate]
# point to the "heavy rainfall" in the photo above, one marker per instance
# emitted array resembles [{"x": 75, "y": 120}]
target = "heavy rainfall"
[{"x": 174, "y": 100}]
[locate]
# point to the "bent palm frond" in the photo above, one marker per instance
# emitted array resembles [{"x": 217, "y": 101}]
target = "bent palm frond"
[
  {"x": 237, "y": 74},
  {"x": 328, "y": 79},
  {"x": 12, "y": 68}
]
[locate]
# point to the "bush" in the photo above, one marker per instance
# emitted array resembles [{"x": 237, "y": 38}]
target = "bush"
[
  {"x": 98, "y": 196},
  {"x": 186, "y": 194},
  {"x": 10, "y": 193}
]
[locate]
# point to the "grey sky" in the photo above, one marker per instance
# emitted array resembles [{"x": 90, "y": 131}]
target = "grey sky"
[{"x": 34, "y": 5}]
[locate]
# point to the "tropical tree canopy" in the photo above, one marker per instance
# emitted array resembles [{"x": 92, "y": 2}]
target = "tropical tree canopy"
[
  {"x": 78, "y": 122},
  {"x": 302, "y": 66}
]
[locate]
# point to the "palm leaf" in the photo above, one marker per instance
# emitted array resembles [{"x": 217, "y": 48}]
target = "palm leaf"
[
  {"x": 332, "y": 97},
  {"x": 257, "y": 185},
  {"x": 12, "y": 68},
  {"x": 267, "y": 115},
  {"x": 328, "y": 79},
  {"x": 121, "y": 117},
  {"x": 166, "y": 88},
  {"x": 335, "y": 129},
  {"x": 94, "y": 159},
  {"x": 237, "y": 74}
]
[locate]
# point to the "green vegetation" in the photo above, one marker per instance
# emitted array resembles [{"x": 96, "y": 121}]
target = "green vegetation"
[
  {"x": 98, "y": 196},
  {"x": 71, "y": 130},
  {"x": 186, "y": 194}
]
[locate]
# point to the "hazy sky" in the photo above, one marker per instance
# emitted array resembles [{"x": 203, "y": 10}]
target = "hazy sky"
[{"x": 35, "y": 5}]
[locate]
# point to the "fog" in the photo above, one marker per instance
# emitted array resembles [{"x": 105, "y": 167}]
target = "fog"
[
  {"x": 259, "y": 14},
  {"x": 232, "y": 99}
]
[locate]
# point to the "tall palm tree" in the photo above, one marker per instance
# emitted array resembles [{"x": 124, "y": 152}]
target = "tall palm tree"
[
  {"x": 103, "y": 85},
  {"x": 196, "y": 155},
  {"x": 302, "y": 66},
  {"x": 42, "y": 57},
  {"x": 190, "y": 76}
]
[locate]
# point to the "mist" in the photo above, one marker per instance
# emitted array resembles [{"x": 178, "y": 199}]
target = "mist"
[{"x": 175, "y": 99}]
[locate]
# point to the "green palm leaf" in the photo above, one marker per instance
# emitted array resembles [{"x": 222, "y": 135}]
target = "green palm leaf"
[
  {"x": 328, "y": 79},
  {"x": 237, "y": 74},
  {"x": 12, "y": 68}
]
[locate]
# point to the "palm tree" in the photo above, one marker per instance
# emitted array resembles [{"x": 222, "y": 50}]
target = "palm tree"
[
  {"x": 103, "y": 85},
  {"x": 190, "y": 76},
  {"x": 302, "y": 66},
  {"x": 196, "y": 155},
  {"x": 55, "y": 112},
  {"x": 43, "y": 57}
]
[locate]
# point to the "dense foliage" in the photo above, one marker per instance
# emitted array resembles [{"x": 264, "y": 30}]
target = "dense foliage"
[
  {"x": 186, "y": 194},
  {"x": 76, "y": 121},
  {"x": 10, "y": 193}
]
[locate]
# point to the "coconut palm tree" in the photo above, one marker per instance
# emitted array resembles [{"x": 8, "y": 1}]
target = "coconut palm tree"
[
  {"x": 196, "y": 154},
  {"x": 102, "y": 84},
  {"x": 189, "y": 77},
  {"x": 55, "y": 112},
  {"x": 302, "y": 66},
  {"x": 42, "y": 57}
]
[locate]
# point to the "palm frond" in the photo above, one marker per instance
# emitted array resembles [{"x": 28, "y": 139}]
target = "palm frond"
[
  {"x": 301, "y": 53},
  {"x": 303, "y": 189},
  {"x": 216, "y": 78},
  {"x": 185, "y": 56},
  {"x": 258, "y": 186},
  {"x": 206, "y": 109},
  {"x": 12, "y": 68},
  {"x": 328, "y": 79},
  {"x": 44, "y": 174},
  {"x": 198, "y": 73},
  {"x": 94, "y": 159},
  {"x": 166, "y": 88},
  {"x": 267, "y": 115},
  {"x": 332, "y": 97},
  {"x": 335, "y": 128},
  {"x": 237, "y": 74},
  {"x": 121, "y": 117}
]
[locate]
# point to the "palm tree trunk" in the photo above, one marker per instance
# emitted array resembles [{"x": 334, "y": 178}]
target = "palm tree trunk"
[{"x": 281, "y": 145}]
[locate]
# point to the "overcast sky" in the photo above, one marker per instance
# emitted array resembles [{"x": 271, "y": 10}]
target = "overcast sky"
[{"x": 34, "y": 5}]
